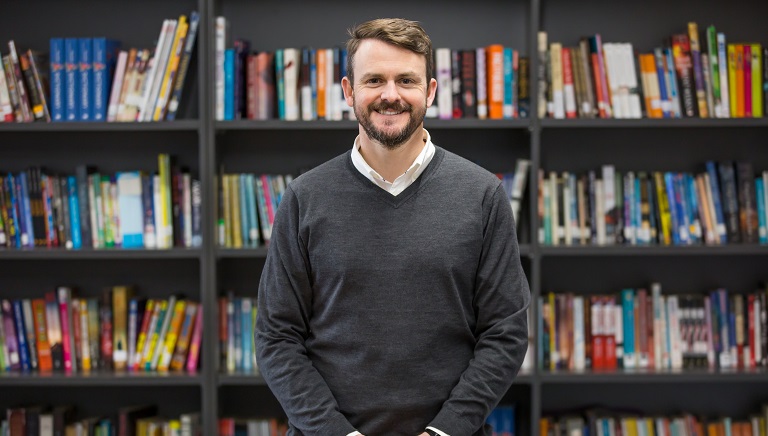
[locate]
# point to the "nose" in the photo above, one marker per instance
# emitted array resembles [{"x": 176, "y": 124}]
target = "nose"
[{"x": 389, "y": 93}]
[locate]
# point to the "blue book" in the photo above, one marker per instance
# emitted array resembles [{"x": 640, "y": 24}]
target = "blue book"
[
  {"x": 71, "y": 79},
  {"x": 280, "y": 83},
  {"x": 693, "y": 207},
  {"x": 129, "y": 205},
  {"x": 229, "y": 84},
  {"x": 148, "y": 202},
  {"x": 637, "y": 216},
  {"x": 506, "y": 416},
  {"x": 673, "y": 91},
  {"x": 714, "y": 185},
  {"x": 674, "y": 219},
  {"x": 105, "y": 53},
  {"x": 246, "y": 307},
  {"x": 27, "y": 209},
  {"x": 509, "y": 83},
  {"x": 21, "y": 336},
  {"x": 493, "y": 420},
  {"x": 628, "y": 318},
  {"x": 238, "y": 334},
  {"x": 13, "y": 212},
  {"x": 57, "y": 79},
  {"x": 682, "y": 209},
  {"x": 86, "y": 78},
  {"x": 762, "y": 225},
  {"x": 665, "y": 103},
  {"x": 74, "y": 212},
  {"x": 21, "y": 223}
]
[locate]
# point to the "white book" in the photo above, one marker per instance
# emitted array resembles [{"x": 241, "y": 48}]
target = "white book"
[
  {"x": 291, "y": 59},
  {"x": 630, "y": 78},
  {"x": 579, "y": 346},
  {"x": 46, "y": 424},
  {"x": 161, "y": 64},
  {"x": 29, "y": 325},
  {"x": 444, "y": 89},
  {"x": 5, "y": 100},
  {"x": 609, "y": 200},
  {"x": 117, "y": 85},
  {"x": 482, "y": 85},
  {"x": 722, "y": 63},
  {"x": 615, "y": 311},
  {"x": 220, "y": 44},
  {"x": 610, "y": 56},
  {"x": 165, "y": 33},
  {"x": 600, "y": 211},
  {"x": 673, "y": 311},
  {"x": 522, "y": 168}
]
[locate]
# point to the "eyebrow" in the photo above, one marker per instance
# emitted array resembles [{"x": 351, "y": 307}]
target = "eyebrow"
[{"x": 408, "y": 75}]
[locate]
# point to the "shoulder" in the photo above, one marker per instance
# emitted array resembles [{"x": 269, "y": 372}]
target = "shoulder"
[{"x": 464, "y": 173}]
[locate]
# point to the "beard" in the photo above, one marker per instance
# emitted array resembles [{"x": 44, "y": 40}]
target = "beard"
[{"x": 390, "y": 140}]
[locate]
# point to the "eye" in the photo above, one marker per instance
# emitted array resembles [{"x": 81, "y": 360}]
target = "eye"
[
  {"x": 373, "y": 80},
  {"x": 407, "y": 81}
]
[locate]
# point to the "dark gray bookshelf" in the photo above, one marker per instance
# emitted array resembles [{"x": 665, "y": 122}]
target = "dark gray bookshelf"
[{"x": 207, "y": 146}]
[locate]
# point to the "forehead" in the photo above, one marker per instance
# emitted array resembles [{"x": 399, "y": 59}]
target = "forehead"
[{"x": 378, "y": 57}]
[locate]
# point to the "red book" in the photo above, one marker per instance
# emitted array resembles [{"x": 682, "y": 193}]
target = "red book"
[
  {"x": 44, "y": 360},
  {"x": 610, "y": 332},
  {"x": 751, "y": 329},
  {"x": 598, "y": 346},
  {"x": 194, "y": 346}
]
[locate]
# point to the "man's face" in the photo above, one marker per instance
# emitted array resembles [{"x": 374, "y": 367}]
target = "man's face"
[{"x": 391, "y": 92}]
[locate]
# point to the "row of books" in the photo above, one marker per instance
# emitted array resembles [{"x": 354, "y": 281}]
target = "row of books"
[
  {"x": 116, "y": 331},
  {"x": 237, "y": 320},
  {"x": 638, "y": 328},
  {"x": 247, "y": 207},
  {"x": 305, "y": 84},
  {"x": 723, "y": 204},
  {"x": 502, "y": 420},
  {"x": 229, "y": 426},
  {"x": 129, "y": 209},
  {"x": 23, "y": 86},
  {"x": 610, "y": 423},
  {"x": 140, "y": 420},
  {"x": 691, "y": 77}
]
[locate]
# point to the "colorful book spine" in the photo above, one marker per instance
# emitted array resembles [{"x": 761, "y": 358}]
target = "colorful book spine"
[
  {"x": 194, "y": 346},
  {"x": 85, "y": 69},
  {"x": 105, "y": 53}
]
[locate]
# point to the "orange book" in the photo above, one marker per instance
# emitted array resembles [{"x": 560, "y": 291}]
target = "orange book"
[
  {"x": 495, "y": 76},
  {"x": 322, "y": 80},
  {"x": 185, "y": 336},
  {"x": 44, "y": 361},
  {"x": 600, "y": 98},
  {"x": 739, "y": 80}
]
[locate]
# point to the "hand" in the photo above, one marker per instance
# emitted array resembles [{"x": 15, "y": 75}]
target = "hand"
[{"x": 424, "y": 434}]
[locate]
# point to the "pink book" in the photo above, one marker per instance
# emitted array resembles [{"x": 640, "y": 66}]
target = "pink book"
[
  {"x": 194, "y": 346},
  {"x": 66, "y": 337},
  {"x": 747, "y": 80}
]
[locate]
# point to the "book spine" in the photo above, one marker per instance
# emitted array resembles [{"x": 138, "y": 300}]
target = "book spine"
[
  {"x": 189, "y": 45},
  {"x": 701, "y": 93},
  {"x": 194, "y": 346}
]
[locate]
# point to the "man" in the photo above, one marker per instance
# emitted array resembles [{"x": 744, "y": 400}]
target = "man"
[{"x": 392, "y": 301}]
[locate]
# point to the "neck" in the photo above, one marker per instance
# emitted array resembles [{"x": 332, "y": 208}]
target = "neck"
[{"x": 391, "y": 163}]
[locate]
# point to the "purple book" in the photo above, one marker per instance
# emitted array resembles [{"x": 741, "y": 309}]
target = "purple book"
[{"x": 10, "y": 337}]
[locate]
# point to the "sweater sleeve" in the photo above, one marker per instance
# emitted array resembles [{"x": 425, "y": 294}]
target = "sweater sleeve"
[
  {"x": 282, "y": 326},
  {"x": 501, "y": 297}
]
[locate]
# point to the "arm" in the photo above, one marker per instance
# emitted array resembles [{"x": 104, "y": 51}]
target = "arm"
[
  {"x": 501, "y": 297},
  {"x": 282, "y": 325}
]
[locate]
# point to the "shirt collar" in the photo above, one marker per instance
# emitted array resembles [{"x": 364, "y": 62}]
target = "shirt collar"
[{"x": 415, "y": 169}]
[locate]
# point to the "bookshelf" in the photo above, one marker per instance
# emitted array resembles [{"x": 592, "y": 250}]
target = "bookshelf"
[{"x": 274, "y": 146}]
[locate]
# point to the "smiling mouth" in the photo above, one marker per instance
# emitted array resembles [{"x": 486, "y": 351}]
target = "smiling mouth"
[{"x": 390, "y": 112}]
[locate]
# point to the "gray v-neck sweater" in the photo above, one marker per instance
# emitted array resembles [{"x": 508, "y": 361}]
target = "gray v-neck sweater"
[{"x": 387, "y": 314}]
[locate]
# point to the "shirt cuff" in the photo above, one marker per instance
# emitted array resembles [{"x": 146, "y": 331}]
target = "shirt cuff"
[
  {"x": 355, "y": 433},
  {"x": 441, "y": 433}
]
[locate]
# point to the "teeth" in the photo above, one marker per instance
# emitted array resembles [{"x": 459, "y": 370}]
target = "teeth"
[{"x": 390, "y": 113}]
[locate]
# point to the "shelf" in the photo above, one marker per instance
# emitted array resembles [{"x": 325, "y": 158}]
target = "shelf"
[
  {"x": 693, "y": 250},
  {"x": 240, "y": 253},
  {"x": 89, "y": 254},
  {"x": 180, "y": 125},
  {"x": 261, "y": 252},
  {"x": 646, "y": 123},
  {"x": 223, "y": 126},
  {"x": 100, "y": 379},
  {"x": 241, "y": 379},
  {"x": 651, "y": 376}
]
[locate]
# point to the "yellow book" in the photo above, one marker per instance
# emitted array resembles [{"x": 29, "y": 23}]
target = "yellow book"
[
  {"x": 165, "y": 232},
  {"x": 85, "y": 341},
  {"x": 172, "y": 335},
  {"x": 663, "y": 205},
  {"x": 234, "y": 196},
  {"x": 152, "y": 336},
  {"x": 177, "y": 48},
  {"x": 757, "y": 80},
  {"x": 120, "y": 296},
  {"x": 141, "y": 340},
  {"x": 226, "y": 199},
  {"x": 732, "y": 79}
]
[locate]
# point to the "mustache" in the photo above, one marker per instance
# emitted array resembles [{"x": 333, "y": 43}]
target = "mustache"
[{"x": 396, "y": 106}]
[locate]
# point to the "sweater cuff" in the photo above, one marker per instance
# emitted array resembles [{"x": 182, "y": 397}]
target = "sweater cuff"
[
  {"x": 337, "y": 425},
  {"x": 446, "y": 420}
]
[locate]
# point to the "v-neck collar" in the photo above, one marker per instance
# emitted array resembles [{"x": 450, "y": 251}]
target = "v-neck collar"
[{"x": 398, "y": 200}]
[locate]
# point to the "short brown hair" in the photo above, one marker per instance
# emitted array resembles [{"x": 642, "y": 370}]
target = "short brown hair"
[{"x": 403, "y": 33}]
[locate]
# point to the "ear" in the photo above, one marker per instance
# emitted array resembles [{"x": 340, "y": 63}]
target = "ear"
[
  {"x": 431, "y": 91},
  {"x": 346, "y": 85}
]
